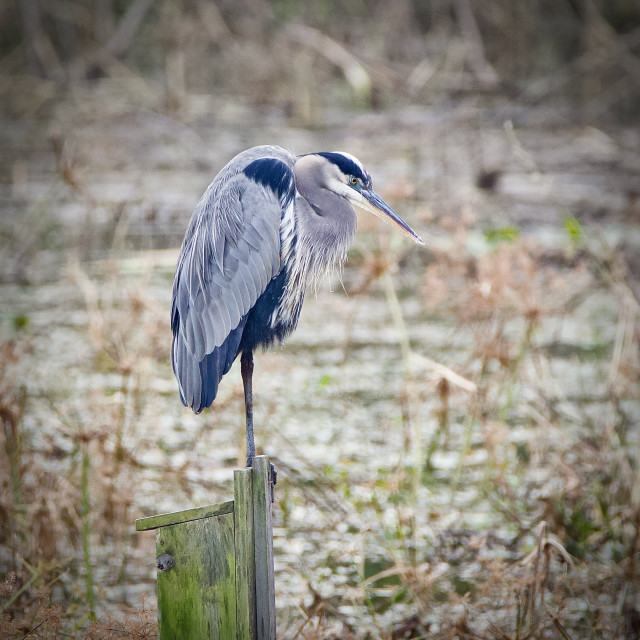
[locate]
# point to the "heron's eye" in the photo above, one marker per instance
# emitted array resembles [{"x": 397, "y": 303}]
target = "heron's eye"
[{"x": 353, "y": 180}]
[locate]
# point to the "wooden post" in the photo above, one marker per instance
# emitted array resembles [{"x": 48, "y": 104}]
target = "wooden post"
[
  {"x": 263, "y": 537},
  {"x": 215, "y": 578}
]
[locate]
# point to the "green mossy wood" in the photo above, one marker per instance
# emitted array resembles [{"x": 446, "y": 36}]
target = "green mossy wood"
[{"x": 221, "y": 583}]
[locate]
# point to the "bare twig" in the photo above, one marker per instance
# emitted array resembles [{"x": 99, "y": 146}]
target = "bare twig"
[
  {"x": 355, "y": 74},
  {"x": 212, "y": 20},
  {"x": 120, "y": 41},
  {"x": 445, "y": 372},
  {"x": 419, "y": 76},
  {"x": 41, "y": 52},
  {"x": 476, "y": 58}
]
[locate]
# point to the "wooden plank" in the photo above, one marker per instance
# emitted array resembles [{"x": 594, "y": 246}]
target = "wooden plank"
[
  {"x": 263, "y": 531},
  {"x": 196, "y": 598},
  {"x": 245, "y": 556},
  {"x": 167, "y": 519}
]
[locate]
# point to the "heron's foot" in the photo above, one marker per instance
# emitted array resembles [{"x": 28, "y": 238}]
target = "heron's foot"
[
  {"x": 249, "y": 462},
  {"x": 273, "y": 478}
]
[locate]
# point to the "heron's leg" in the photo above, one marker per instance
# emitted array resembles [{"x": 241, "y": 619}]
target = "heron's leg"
[{"x": 246, "y": 368}]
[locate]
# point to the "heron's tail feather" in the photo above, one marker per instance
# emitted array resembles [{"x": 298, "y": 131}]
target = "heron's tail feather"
[{"x": 198, "y": 381}]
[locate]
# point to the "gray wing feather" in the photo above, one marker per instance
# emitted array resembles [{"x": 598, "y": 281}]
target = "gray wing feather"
[
  {"x": 244, "y": 277},
  {"x": 190, "y": 381},
  {"x": 230, "y": 253}
]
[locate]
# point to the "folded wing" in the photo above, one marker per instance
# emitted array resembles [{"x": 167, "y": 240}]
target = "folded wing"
[{"x": 230, "y": 253}]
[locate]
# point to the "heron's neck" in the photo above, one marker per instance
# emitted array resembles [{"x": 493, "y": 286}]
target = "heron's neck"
[
  {"x": 326, "y": 225},
  {"x": 319, "y": 242}
]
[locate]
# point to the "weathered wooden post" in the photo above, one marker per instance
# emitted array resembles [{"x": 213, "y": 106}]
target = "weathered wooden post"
[{"x": 215, "y": 564}]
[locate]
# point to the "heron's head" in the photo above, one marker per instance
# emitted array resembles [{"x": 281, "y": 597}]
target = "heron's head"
[{"x": 344, "y": 174}]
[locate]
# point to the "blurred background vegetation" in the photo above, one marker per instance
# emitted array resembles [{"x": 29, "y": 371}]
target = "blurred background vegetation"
[
  {"x": 302, "y": 56},
  {"x": 306, "y": 56},
  {"x": 456, "y": 427}
]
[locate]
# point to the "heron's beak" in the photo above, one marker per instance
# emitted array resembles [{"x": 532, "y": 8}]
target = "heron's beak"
[{"x": 370, "y": 201}]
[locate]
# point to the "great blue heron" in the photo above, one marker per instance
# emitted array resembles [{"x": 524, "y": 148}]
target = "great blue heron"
[{"x": 268, "y": 223}]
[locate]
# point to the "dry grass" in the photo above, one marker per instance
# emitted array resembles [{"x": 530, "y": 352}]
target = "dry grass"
[
  {"x": 499, "y": 497},
  {"x": 556, "y": 486}
]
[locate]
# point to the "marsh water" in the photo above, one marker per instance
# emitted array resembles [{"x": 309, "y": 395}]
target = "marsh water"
[{"x": 378, "y": 466}]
